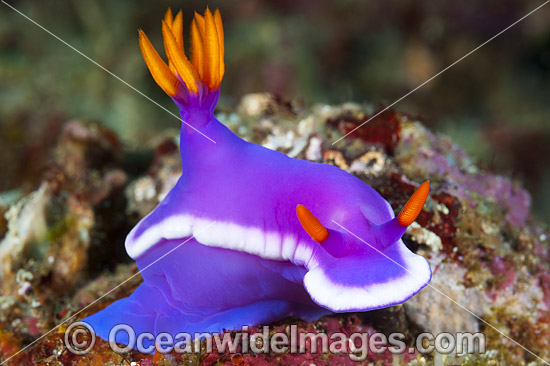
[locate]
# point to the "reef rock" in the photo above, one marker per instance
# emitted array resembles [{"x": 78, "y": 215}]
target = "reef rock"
[{"x": 63, "y": 245}]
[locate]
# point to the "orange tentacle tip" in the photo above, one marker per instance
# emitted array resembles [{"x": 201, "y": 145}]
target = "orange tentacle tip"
[
  {"x": 311, "y": 224},
  {"x": 207, "y": 62},
  {"x": 414, "y": 205}
]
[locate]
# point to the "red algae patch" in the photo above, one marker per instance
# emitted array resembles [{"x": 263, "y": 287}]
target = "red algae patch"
[{"x": 384, "y": 129}]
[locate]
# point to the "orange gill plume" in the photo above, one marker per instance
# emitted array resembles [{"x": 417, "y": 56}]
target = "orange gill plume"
[{"x": 207, "y": 53}]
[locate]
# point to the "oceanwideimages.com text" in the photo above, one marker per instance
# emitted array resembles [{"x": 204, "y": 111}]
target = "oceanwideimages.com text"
[{"x": 80, "y": 339}]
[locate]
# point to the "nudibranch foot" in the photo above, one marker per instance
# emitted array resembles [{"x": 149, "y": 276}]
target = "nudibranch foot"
[
  {"x": 137, "y": 311},
  {"x": 197, "y": 288}
]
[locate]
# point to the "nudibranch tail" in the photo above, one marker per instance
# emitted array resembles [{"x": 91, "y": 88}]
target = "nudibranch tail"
[
  {"x": 311, "y": 224},
  {"x": 182, "y": 78}
]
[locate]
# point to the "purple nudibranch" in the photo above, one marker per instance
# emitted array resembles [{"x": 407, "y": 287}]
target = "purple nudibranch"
[{"x": 285, "y": 237}]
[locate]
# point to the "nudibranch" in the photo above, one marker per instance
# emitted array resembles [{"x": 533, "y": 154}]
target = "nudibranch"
[{"x": 284, "y": 236}]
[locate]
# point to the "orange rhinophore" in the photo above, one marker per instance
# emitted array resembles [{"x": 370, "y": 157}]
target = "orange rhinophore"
[
  {"x": 207, "y": 52},
  {"x": 414, "y": 205},
  {"x": 311, "y": 224}
]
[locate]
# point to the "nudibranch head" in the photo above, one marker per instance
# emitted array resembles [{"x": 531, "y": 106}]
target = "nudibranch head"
[
  {"x": 182, "y": 79},
  {"x": 382, "y": 235}
]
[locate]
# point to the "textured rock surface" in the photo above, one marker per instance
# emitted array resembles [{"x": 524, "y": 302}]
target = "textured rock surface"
[{"x": 63, "y": 244}]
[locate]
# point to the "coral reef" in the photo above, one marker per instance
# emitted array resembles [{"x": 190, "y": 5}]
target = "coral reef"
[
  {"x": 63, "y": 244},
  {"x": 53, "y": 234}
]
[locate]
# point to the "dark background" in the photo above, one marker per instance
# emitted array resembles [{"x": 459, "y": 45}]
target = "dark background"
[{"x": 495, "y": 103}]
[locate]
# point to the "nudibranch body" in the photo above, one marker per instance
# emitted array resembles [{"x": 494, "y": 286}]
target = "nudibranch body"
[{"x": 283, "y": 236}]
